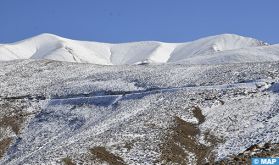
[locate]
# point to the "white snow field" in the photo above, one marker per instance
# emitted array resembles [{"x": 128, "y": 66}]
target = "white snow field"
[
  {"x": 225, "y": 48},
  {"x": 199, "y": 102}
]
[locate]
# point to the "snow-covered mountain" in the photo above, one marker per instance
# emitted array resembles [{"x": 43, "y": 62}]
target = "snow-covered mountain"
[
  {"x": 76, "y": 112},
  {"x": 225, "y": 48}
]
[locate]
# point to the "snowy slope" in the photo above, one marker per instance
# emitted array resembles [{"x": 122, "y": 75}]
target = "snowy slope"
[
  {"x": 255, "y": 54},
  {"x": 225, "y": 48},
  {"x": 138, "y": 114}
]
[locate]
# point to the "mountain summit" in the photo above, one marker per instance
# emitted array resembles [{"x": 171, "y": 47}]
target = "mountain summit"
[{"x": 224, "y": 48}]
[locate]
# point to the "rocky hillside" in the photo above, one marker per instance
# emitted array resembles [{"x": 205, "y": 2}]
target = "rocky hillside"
[{"x": 71, "y": 113}]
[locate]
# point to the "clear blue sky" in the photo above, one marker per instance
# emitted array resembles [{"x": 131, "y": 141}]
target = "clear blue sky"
[{"x": 135, "y": 20}]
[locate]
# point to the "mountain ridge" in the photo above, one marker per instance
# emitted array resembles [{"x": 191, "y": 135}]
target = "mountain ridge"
[{"x": 53, "y": 47}]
